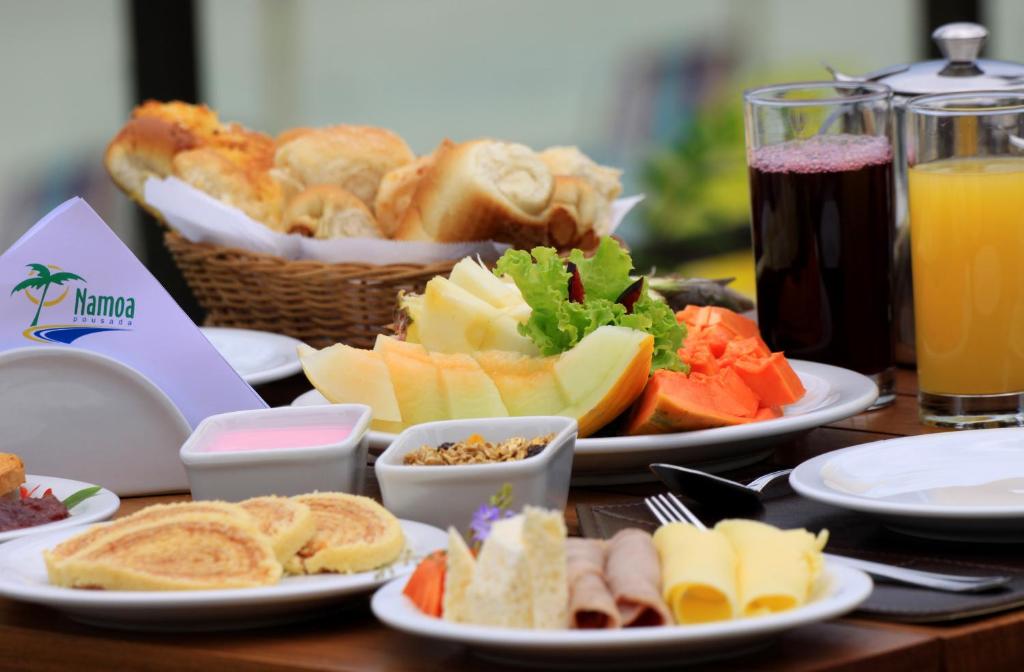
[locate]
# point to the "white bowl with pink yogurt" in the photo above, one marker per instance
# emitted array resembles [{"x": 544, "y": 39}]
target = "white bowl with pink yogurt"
[{"x": 278, "y": 451}]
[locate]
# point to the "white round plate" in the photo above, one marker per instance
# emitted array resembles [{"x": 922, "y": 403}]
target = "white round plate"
[
  {"x": 833, "y": 394},
  {"x": 258, "y": 356},
  {"x": 78, "y": 414},
  {"x": 840, "y": 590},
  {"x": 955, "y": 485},
  {"x": 23, "y": 578},
  {"x": 99, "y": 507}
]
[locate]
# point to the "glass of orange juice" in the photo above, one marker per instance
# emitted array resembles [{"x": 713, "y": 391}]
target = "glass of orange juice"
[{"x": 966, "y": 193}]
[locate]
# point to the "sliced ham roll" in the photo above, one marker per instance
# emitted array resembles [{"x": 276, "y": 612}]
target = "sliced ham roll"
[
  {"x": 633, "y": 572},
  {"x": 591, "y": 605}
]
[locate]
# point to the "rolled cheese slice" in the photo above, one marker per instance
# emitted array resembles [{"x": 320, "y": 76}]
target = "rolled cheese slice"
[
  {"x": 777, "y": 568},
  {"x": 698, "y": 573},
  {"x": 287, "y": 523},
  {"x": 191, "y": 551}
]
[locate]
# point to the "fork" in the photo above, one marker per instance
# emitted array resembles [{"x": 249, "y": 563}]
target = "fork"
[{"x": 668, "y": 509}]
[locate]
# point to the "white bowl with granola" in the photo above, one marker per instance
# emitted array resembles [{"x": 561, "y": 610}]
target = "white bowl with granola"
[{"x": 440, "y": 473}]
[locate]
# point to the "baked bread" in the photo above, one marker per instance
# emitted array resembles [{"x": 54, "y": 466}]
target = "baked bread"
[
  {"x": 186, "y": 551},
  {"x": 606, "y": 182},
  {"x": 328, "y": 211},
  {"x": 12, "y": 474},
  {"x": 397, "y": 189},
  {"x": 287, "y": 523},
  {"x": 481, "y": 190},
  {"x": 145, "y": 148},
  {"x": 353, "y": 534},
  {"x": 574, "y": 212},
  {"x": 354, "y": 158},
  {"x": 233, "y": 177}
]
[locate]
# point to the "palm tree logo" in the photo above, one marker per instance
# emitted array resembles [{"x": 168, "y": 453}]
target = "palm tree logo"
[{"x": 42, "y": 279}]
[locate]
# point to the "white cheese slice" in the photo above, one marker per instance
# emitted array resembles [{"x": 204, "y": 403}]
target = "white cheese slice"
[{"x": 500, "y": 593}]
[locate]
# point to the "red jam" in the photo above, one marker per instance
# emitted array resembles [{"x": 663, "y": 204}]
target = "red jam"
[{"x": 30, "y": 511}]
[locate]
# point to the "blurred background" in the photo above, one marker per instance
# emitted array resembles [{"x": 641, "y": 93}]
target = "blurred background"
[{"x": 651, "y": 86}]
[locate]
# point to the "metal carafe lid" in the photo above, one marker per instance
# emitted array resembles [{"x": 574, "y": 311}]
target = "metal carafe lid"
[{"x": 961, "y": 70}]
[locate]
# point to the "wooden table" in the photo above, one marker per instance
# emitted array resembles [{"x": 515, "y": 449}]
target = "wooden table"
[{"x": 33, "y": 638}]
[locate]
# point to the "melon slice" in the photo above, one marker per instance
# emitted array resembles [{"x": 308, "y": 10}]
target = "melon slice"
[
  {"x": 470, "y": 393},
  {"x": 346, "y": 375},
  {"x": 451, "y": 319},
  {"x": 604, "y": 374},
  {"x": 416, "y": 380},
  {"x": 481, "y": 283},
  {"x": 527, "y": 384}
]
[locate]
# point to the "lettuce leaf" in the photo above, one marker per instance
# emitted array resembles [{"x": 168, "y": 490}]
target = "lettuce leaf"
[{"x": 557, "y": 324}]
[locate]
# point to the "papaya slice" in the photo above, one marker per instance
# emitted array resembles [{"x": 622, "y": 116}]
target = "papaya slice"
[
  {"x": 675, "y": 402},
  {"x": 768, "y": 413},
  {"x": 730, "y": 395},
  {"x": 772, "y": 379},
  {"x": 697, "y": 355}
]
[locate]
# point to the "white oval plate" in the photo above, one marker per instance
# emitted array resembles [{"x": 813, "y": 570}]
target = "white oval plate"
[
  {"x": 833, "y": 394},
  {"x": 23, "y": 578},
  {"x": 839, "y": 591},
  {"x": 258, "y": 356},
  {"x": 99, "y": 507},
  {"x": 954, "y": 485}
]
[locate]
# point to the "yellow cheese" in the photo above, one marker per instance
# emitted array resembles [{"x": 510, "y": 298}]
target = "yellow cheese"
[
  {"x": 458, "y": 576},
  {"x": 544, "y": 541},
  {"x": 499, "y": 593},
  {"x": 698, "y": 573},
  {"x": 776, "y": 567}
]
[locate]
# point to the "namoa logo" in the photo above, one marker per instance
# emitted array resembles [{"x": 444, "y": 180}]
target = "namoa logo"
[{"x": 41, "y": 285}]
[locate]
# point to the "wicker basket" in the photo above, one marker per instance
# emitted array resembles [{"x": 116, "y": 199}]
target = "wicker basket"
[{"x": 316, "y": 302}]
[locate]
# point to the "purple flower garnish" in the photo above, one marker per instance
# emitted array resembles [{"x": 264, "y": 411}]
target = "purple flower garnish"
[{"x": 484, "y": 517}]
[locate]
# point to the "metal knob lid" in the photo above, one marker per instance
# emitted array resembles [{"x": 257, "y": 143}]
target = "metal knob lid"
[{"x": 960, "y": 42}]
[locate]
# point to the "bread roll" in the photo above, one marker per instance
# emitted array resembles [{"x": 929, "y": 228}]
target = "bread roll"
[
  {"x": 230, "y": 176},
  {"x": 354, "y": 158},
  {"x": 327, "y": 211},
  {"x": 575, "y": 208},
  {"x": 607, "y": 184},
  {"x": 482, "y": 190},
  {"x": 397, "y": 188},
  {"x": 144, "y": 148}
]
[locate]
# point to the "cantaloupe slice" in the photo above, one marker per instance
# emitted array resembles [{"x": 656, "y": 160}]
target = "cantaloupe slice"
[
  {"x": 527, "y": 384},
  {"x": 481, "y": 283},
  {"x": 346, "y": 375},
  {"x": 416, "y": 380},
  {"x": 675, "y": 402},
  {"x": 603, "y": 374},
  {"x": 470, "y": 393},
  {"x": 772, "y": 379}
]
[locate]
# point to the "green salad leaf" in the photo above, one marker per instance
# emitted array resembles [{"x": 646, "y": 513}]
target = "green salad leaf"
[
  {"x": 557, "y": 324},
  {"x": 76, "y": 498}
]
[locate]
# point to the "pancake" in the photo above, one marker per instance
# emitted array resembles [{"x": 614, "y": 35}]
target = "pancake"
[
  {"x": 184, "y": 551},
  {"x": 287, "y": 523},
  {"x": 354, "y": 534}
]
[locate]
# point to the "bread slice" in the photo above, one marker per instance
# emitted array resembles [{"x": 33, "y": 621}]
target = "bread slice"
[
  {"x": 287, "y": 523},
  {"x": 12, "y": 474},
  {"x": 500, "y": 593},
  {"x": 544, "y": 540},
  {"x": 353, "y": 534},
  {"x": 461, "y": 567}
]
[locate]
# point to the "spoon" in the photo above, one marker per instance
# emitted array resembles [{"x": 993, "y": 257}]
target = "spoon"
[{"x": 708, "y": 488}]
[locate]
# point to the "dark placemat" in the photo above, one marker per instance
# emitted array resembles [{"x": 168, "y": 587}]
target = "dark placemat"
[{"x": 859, "y": 536}]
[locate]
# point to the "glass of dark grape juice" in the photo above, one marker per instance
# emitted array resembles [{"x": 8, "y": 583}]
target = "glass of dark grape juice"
[{"x": 820, "y": 160}]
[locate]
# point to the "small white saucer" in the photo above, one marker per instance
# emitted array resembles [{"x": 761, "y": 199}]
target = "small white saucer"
[{"x": 258, "y": 356}]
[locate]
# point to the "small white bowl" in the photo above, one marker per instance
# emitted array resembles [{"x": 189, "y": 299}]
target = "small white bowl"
[
  {"x": 443, "y": 495},
  {"x": 238, "y": 475}
]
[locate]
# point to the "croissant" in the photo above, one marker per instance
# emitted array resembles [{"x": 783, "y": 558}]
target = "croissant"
[
  {"x": 328, "y": 211},
  {"x": 481, "y": 190}
]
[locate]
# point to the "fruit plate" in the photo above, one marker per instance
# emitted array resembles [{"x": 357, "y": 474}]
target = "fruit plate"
[
  {"x": 833, "y": 394},
  {"x": 838, "y": 592},
  {"x": 23, "y": 578},
  {"x": 99, "y": 507}
]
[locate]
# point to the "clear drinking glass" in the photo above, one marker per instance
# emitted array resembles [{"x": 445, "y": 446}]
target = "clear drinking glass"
[
  {"x": 966, "y": 193},
  {"x": 823, "y": 215}
]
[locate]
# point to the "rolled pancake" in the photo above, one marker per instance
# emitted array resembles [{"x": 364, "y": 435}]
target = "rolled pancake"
[
  {"x": 777, "y": 568},
  {"x": 591, "y": 605},
  {"x": 633, "y": 573},
  {"x": 287, "y": 523},
  {"x": 190, "y": 551},
  {"x": 698, "y": 573}
]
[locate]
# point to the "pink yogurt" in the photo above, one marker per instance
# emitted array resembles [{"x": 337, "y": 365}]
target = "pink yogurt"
[{"x": 276, "y": 438}]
